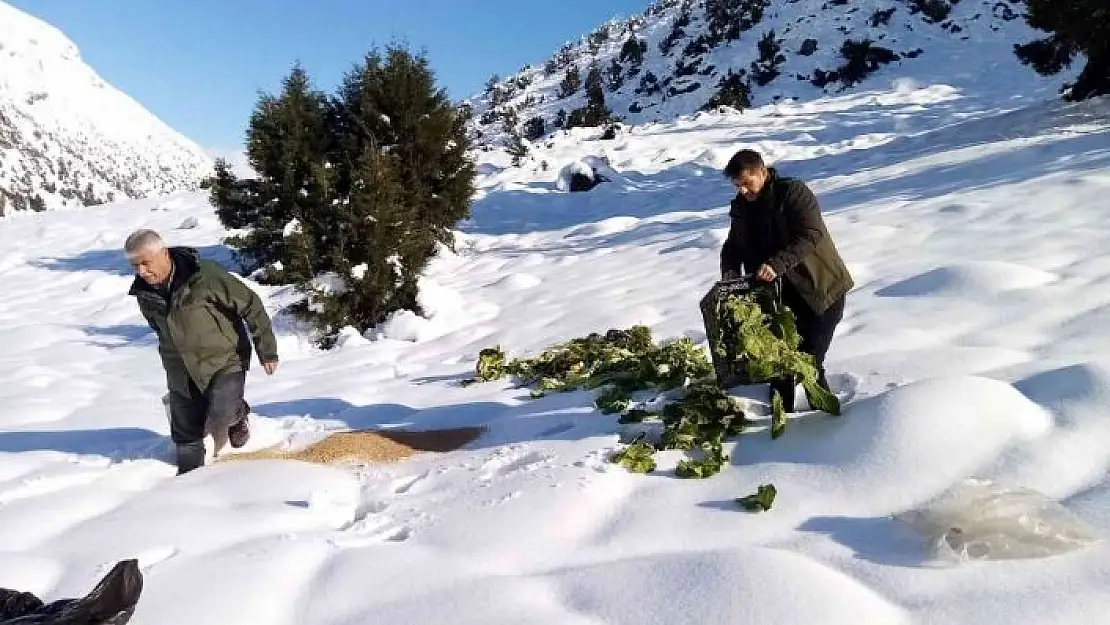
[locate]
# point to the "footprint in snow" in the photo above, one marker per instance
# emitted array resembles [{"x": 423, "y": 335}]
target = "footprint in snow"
[
  {"x": 46, "y": 485},
  {"x": 371, "y": 531},
  {"x": 512, "y": 460},
  {"x": 845, "y": 385},
  {"x": 516, "y": 494},
  {"x": 370, "y": 525},
  {"x": 557, "y": 429},
  {"x": 402, "y": 485},
  {"x": 598, "y": 460}
]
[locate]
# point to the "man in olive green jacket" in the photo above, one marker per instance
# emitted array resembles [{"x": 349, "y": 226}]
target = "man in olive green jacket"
[
  {"x": 198, "y": 310},
  {"x": 777, "y": 233}
]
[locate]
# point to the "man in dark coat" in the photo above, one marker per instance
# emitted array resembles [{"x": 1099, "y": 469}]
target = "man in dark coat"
[
  {"x": 198, "y": 311},
  {"x": 777, "y": 233}
]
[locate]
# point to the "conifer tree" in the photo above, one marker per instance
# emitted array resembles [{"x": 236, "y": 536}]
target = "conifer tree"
[
  {"x": 403, "y": 181},
  {"x": 1074, "y": 27},
  {"x": 354, "y": 193},
  {"x": 393, "y": 101},
  {"x": 733, "y": 91},
  {"x": 374, "y": 229},
  {"x": 571, "y": 82},
  {"x": 234, "y": 208},
  {"x": 766, "y": 67},
  {"x": 596, "y": 112},
  {"x": 615, "y": 75},
  {"x": 633, "y": 50},
  {"x": 287, "y": 139}
]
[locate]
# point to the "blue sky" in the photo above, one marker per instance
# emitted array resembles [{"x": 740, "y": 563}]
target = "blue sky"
[{"x": 199, "y": 64}]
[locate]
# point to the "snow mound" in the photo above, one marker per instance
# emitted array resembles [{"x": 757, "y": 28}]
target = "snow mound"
[
  {"x": 970, "y": 279},
  {"x": 612, "y": 225},
  {"x": 726, "y": 590},
  {"x": 445, "y": 310},
  {"x": 969, "y": 421},
  {"x": 518, "y": 281}
]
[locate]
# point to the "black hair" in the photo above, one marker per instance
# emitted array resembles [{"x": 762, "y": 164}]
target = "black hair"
[{"x": 743, "y": 161}]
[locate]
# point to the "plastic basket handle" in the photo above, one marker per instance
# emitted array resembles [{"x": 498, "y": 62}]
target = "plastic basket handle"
[{"x": 776, "y": 290}]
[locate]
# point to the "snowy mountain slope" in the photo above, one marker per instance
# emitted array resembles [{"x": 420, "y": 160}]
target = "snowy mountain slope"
[
  {"x": 69, "y": 139},
  {"x": 971, "y": 347},
  {"x": 684, "y": 55}
]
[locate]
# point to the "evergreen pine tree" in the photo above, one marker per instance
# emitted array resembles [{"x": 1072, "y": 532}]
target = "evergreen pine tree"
[
  {"x": 517, "y": 148},
  {"x": 1075, "y": 27},
  {"x": 402, "y": 181},
  {"x": 615, "y": 75},
  {"x": 393, "y": 101},
  {"x": 492, "y": 83},
  {"x": 766, "y": 68},
  {"x": 231, "y": 197},
  {"x": 733, "y": 91},
  {"x": 286, "y": 145},
  {"x": 596, "y": 112},
  {"x": 571, "y": 82},
  {"x": 376, "y": 231},
  {"x": 633, "y": 50},
  {"x": 535, "y": 128},
  {"x": 722, "y": 21}
]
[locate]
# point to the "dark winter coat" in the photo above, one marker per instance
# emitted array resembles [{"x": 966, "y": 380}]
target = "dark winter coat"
[
  {"x": 784, "y": 229},
  {"x": 199, "y": 322}
]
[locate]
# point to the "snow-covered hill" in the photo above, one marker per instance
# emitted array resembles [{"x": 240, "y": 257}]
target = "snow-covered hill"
[
  {"x": 69, "y": 139},
  {"x": 675, "y": 58}
]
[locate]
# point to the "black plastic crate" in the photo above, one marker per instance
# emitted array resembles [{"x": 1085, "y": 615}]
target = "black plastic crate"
[{"x": 731, "y": 369}]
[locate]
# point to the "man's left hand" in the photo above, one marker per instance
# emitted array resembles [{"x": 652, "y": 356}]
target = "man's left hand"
[
  {"x": 765, "y": 273},
  {"x": 270, "y": 367}
]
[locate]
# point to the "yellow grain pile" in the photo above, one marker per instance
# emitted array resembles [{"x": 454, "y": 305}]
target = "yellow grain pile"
[{"x": 371, "y": 446}]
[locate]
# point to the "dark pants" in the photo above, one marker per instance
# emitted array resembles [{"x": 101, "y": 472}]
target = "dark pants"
[
  {"x": 215, "y": 409},
  {"x": 817, "y": 334}
]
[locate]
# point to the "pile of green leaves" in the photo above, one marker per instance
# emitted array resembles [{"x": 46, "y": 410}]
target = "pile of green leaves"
[
  {"x": 700, "y": 421},
  {"x": 765, "y": 348},
  {"x": 623, "y": 362}
]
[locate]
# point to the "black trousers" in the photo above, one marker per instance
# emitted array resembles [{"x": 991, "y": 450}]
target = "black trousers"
[
  {"x": 214, "y": 409},
  {"x": 817, "y": 333}
]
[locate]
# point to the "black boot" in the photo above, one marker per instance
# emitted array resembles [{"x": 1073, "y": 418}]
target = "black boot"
[
  {"x": 239, "y": 433},
  {"x": 190, "y": 456},
  {"x": 785, "y": 387}
]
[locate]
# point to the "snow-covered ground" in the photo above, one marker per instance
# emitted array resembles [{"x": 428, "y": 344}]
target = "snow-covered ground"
[{"x": 973, "y": 346}]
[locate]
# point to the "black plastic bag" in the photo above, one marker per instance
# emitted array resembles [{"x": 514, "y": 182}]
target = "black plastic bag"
[{"x": 111, "y": 602}]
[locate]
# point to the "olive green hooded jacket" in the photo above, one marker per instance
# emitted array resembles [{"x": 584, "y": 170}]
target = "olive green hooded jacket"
[{"x": 199, "y": 322}]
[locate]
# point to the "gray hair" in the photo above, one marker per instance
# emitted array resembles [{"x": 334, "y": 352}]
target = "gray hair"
[{"x": 142, "y": 239}]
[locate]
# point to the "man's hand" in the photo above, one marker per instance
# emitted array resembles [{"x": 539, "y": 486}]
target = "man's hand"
[
  {"x": 765, "y": 273},
  {"x": 270, "y": 367}
]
